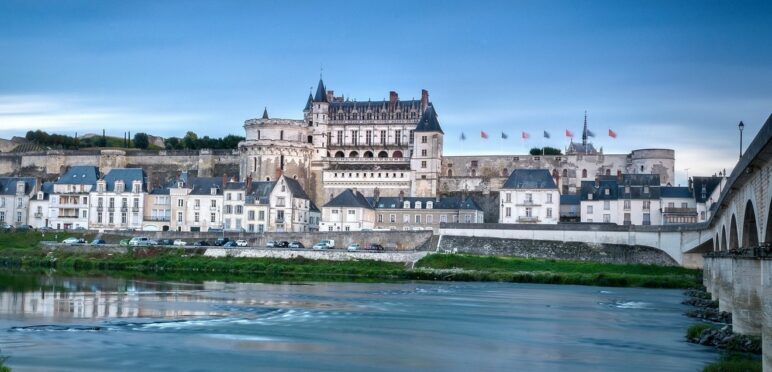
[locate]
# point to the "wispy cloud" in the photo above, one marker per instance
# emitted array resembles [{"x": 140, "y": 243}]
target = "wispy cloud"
[{"x": 20, "y": 113}]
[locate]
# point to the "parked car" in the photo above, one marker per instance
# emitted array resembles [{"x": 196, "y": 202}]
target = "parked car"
[
  {"x": 98, "y": 242},
  {"x": 5, "y": 226},
  {"x": 201, "y": 243},
  {"x": 139, "y": 241},
  {"x": 23, "y": 227},
  {"x": 180, "y": 242},
  {"x": 123, "y": 242},
  {"x": 271, "y": 244},
  {"x": 353, "y": 247},
  {"x": 221, "y": 241},
  {"x": 282, "y": 244},
  {"x": 230, "y": 244},
  {"x": 242, "y": 243},
  {"x": 152, "y": 242},
  {"x": 325, "y": 244},
  {"x": 73, "y": 240},
  {"x": 165, "y": 242},
  {"x": 374, "y": 247},
  {"x": 296, "y": 244}
]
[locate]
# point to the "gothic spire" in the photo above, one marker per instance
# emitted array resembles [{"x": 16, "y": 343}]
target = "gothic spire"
[
  {"x": 265, "y": 113},
  {"x": 584, "y": 132}
]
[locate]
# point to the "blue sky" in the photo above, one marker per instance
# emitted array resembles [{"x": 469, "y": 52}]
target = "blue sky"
[{"x": 676, "y": 74}]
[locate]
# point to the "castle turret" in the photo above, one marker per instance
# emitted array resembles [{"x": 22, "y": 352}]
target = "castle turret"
[
  {"x": 317, "y": 117},
  {"x": 427, "y": 154}
]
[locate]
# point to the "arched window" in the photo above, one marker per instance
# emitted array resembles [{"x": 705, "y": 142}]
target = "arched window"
[
  {"x": 353, "y": 154},
  {"x": 505, "y": 172},
  {"x": 368, "y": 154},
  {"x": 383, "y": 154},
  {"x": 339, "y": 154},
  {"x": 397, "y": 154},
  {"x": 258, "y": 134},
  {"x": 450, "y": 172},
  {"x": 281, "y": 134},
  {"x": 584, "y": 173}
]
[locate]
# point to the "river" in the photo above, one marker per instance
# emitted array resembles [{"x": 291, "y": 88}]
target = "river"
[{"x": 103, "y": 323}]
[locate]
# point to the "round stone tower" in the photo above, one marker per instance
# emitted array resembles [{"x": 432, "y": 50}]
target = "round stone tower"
[{"x": 655, "y": 161}]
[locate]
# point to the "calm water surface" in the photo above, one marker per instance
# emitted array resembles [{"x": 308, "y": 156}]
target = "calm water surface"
[{"x": 57, "y": 323}]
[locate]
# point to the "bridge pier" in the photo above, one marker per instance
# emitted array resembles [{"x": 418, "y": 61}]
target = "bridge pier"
[
  {"x": 766, "y": 330},
  {"x": 725, "y": 285},
  {"x": 746, "y": 296}
]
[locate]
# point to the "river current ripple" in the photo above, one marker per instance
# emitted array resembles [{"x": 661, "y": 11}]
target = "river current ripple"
[{"x": 117, "y": 324}]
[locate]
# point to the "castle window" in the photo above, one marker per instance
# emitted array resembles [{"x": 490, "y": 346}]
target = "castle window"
[
  {"x": 383, "y": 137},
  {"x": 398, "y": 137},
  {"x": 310, "y": 139},
  {"x": 608, "y": 172},
  {"x": 339, "y": 154},
  {"x": 281, "y": 135},
  {"x": 584, "y": 173},
  {"x": 258, "y": 134},
  {"x": 368, "y": 137},
  {"x": 383, "y": 154},
  {"x": 418, "y": 205},
  {"x": 412, "y": 137},
  {"x": 340, "y": 137},
  {"x": 424, "y": 139},
  {"x": 397, "y": 154},
  {"x": 450, "y": 172}
]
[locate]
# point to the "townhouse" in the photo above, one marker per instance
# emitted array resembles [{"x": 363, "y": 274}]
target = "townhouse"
[
  {"x": 69, "y": 201},
  {"x": 529, "y": 196},
  {"x": 117, "y": 201},
  {"x": 15, "y": 195}
]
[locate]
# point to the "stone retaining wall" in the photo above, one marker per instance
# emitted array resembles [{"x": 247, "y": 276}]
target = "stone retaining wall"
[
  {"x": 330, "y": 255},
  {"x": 607, "y": 253}
]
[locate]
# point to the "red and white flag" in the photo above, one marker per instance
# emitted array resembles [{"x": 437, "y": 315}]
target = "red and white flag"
[
  {"x": 483, "y": 134},
  {"x": 569, "y": 133},
  {"x": 526, "y": 135},
  {"x": 612, "y": 134}
]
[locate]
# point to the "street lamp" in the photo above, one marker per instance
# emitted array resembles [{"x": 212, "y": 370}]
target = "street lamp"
[{"x": 741, "y": 126}]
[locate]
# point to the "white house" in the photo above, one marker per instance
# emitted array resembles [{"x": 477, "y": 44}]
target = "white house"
[
  {"x": 628, "y": 199},
  {"x": 348, "y": 211},
  {"x": 38, "y": 214},
  {"x": 529, "y": 196},
  {"x": 196, "y": 203},
  {"x": 69, "y": 202},
  {"x": 118, "y": 201},
  {"x": 678, "y": 205},
  {"x": 15, "y": 194}
]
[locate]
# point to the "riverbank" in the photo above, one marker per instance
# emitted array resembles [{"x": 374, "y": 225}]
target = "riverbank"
[{"x": 21, "y": 250}]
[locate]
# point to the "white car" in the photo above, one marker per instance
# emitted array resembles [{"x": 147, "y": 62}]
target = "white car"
[
  {"x": 353, "y": 247},
  {"x": 139, "y": 241},
  {"x": 72, "y": 241},
  {"x": 180, "y": 242},
  {"x": 241, "y": 243}
]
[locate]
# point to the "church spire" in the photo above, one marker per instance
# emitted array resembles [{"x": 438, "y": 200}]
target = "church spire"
[
  {"x": 265, "y": 113},
  {"x": 584, "y": 132}
]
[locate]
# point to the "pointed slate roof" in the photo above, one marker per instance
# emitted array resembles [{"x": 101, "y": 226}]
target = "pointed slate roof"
[
  {"x": 321, "y": 92},
  {"x": 309, "y": 102},
  {"x": 265, "y": 113},
  {"x": 428, "y": 121},
  {"x": 708, "y": 183},
  {"x": 295, "y": 188},
  {"x": 349, "y": 198}
]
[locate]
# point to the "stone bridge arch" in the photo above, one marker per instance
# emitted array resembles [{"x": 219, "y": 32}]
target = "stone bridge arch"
[
  {"x": 750, "y": 234},
  {"x": 768, "y": 229},
  {"x": 723, "y": 238},
  {"x": 734, "y": 242}
]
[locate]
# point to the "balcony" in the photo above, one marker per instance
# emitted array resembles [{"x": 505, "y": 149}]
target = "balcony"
[
  {"x": 678, "y": 210},
  {"x": 369, "y": 160},
  {"x": 527, "y": 203},
  {"x": 527, "y": 219},
  {"x": 67, "y": 217},
  {"x": 135, "y": 209},
  {"x": 100, "y": 209},
  {"x": 196, "y": 207},
  {"x": 124, "y": 209},
  {"x": 213, "y": 209},
  {"x": 159, "y": 218},
  {"x": 38, "y": 215},
  {"x": 111, "y": 209}
]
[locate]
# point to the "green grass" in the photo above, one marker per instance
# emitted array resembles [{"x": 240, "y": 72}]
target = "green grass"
[
  {"x": 733, "y": 362},
  {"x": 530, "y": 270},
  {"x": 695, "y": 330}
]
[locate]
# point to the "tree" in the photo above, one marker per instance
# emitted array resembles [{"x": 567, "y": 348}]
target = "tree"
[
  {"x": 190, "y": 140},
  {"x": 141, "y": 140},
  {"x": 545, "y": 151}
]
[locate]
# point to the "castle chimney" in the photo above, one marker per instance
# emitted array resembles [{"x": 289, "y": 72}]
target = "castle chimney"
[
  {"x": 224, "y": 179},
  {"x": 401, "y": 196},
  {"x": 249, "y": 185},
  {"x": 330, "y": 95},
  {"x": 393, "y": 98},
  {"x": 597, "y": 181},
  {"x": 424, "y": 99},
  {"x": 691, "y": 184}
]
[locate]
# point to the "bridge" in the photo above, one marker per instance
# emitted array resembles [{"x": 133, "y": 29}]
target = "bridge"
[{"x": 734, "y": 246}]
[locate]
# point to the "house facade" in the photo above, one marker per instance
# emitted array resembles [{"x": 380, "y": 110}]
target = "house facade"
[{"x": 529, "y": 196}]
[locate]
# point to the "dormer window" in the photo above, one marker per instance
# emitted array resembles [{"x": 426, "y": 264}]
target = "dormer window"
[
  {"x": 589, "y": 196},
  {"x": 627, "y": 189},
  {"x": 429, "y": 205},
  {"x": 418, "y": 205},
  {"x": 119, "y": 186},
  {"x": 607, "y": 191},
  {"x": 136, "y": 187},
  {"x": 40, "y": 195},
  {"x": 646, "y": 189},
  {"x": 101, "y": 186},
  {"x": 406, "y": 205},
  {"x": 213, "y": 191},
  {"x": 180, "y": 184}
]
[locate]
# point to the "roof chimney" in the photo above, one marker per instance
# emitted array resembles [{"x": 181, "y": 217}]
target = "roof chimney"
[
  {"x": 330, "y": 95},
  {"x": 224, "y": 179},
  {"x": 691, "y": 184},
  {"x": 401, "y": 196},
  {"x": 393, "y": 98},
  {"x": 249, "y": 185},
  {"x": 424, "y": 99},
  {"x": 597, "y": 181}
]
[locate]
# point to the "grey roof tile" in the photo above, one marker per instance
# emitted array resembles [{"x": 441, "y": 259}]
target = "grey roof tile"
[
  {"x": 530, "y": 179},
  {"x": 349, "y": 198},
  {"x": 79, "y": 175}
]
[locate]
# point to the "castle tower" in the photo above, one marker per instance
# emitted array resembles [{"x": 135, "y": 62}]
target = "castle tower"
[
  {"x": 427, "y": 154},
  {"x": 317, "y": 116}
]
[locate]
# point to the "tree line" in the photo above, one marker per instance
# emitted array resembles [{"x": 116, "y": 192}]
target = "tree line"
[{"x": 140, "y": 140}]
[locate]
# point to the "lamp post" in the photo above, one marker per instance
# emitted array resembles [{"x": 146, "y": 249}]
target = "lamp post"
[{"x": 741, "y": 126}]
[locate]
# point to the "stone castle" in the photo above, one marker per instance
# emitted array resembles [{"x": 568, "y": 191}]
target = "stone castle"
[{"x": 394, "y": 146}]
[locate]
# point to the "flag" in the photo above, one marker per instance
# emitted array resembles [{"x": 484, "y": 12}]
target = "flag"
[
  {"x": 590, "y": 133},
  {"x": 504, "y": 135},
  {"x": 526, "y": 135},
  {"x": 546, "y": 134},
  {"x": 569, "y": 133},
  {"x": 483, "y": 134},
  {"x": 463, "y": 137},
  {"x": 612, "y": 134}
]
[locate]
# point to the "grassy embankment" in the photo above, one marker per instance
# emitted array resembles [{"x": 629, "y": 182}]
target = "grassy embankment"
[
  {"x": 732, "y": 359},
  {"x": 20, "y": 250}
]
